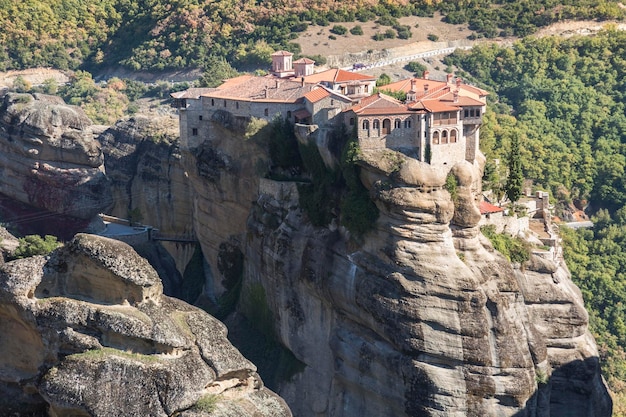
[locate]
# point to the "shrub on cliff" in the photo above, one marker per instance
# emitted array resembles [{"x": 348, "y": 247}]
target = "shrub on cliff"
[
  {"x": 358, "y": 211},
  {"x": 32, "y": 245},
  {"x": 513, "y": 248}
]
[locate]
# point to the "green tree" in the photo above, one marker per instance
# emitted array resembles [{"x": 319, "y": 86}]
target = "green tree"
[
  {"x": 339, "y": 30},
  {"x": 50, "y": 86},
  {"x": 515, "y": 180},
  {"x": 357, "y": 30},
  {"x": 383, "y": 79},
  {"x": 216, "y": 70},
  {"x": 416, "y": 68},
  {"x": 32, "y": 245},
  {"x": 21, "y": 85}
]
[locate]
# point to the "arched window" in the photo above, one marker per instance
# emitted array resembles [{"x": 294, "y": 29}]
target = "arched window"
[
  {"x": 237, "y": 105},
  {"x": 366, "y": 125},
  {"x": 436, "y": 138},
  {"x": 397, "y": 124},
  {"x": 453, "y": 136},
  {"x": 376, "y": 124},
  {"x": 212, "y": 102},
  {"x": 224, "y": 103},
  {"x": 444, "y": 136},
  {"x": 267, "y": 112},
  {"x": 386, "y": 127},
  {"x": 407, "y": 124},
  {"x": 352, "y": 121}
]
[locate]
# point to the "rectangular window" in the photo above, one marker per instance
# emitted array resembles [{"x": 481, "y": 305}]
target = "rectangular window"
[
  {"x": 200, "y": 117},
  {"x": 194, "y": 131}
]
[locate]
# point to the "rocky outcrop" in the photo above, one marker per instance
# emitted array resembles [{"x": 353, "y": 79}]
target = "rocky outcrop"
[
  {"x": 91, "y": 334},
  {"x": 49, "y": 159},
  {"x": 143, "y": 163},
  {"x": 423, "y": 317}
]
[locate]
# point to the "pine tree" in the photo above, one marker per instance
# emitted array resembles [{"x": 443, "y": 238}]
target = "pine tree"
[{"x": 515, "y": 181}]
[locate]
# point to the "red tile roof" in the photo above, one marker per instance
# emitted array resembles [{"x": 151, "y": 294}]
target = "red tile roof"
[
  {"x": 336, "y": 75},
  {"x": 434, "y": 106},
  {"x": 282, "y": 53},
  {"x": 316, "y": 95},
  {"x": 304, "y": 61},
  {"x": 488, "y": 208},
  {"x": 379, "y": 104},
  {"x": 435, "y": 88},
  {"x": 269, "y": 89}
]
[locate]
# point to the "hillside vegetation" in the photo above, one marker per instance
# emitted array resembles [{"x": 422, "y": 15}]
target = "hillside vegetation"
[
  {"x": 159, "y": 34},
  {"x": 565, "y": 99}
]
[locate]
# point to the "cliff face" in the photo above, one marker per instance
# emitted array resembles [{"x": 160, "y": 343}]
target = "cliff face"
[
  {"x": 49, "y": 159},
  {"x": 91, "y": 334},
  {"x": 143, "y": 163},
  {"x": 422, "y": 317}
]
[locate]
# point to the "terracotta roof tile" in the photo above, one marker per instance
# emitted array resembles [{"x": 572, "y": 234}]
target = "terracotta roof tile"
[
  {"x": 488, "y": 208},
  {"x": 379, "y": 104},
  {"x": 336, "y": 75},
  {"x": 304, "y": 61},
  {"x": 316, "y": 95},
  {"x": 434, "y": 106},
  {"x": 251, "y": 88},
  {"x": 282, "y": 53}
]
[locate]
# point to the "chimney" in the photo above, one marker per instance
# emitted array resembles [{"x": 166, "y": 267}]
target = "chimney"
[
  {"x": 413, "y": 82},
  {"x": 265, "y": 95},
  {"x": 425, "y": 87},
  {"x": 458, "y": 82},
  {"x": 449, "y": 78},
  {"x": 456, "y": 96},
  {"x": 426, "y": 74}
]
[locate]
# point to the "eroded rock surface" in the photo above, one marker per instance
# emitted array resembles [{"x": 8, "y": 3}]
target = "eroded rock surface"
[
  {"x": 88, "y": 332},
  {"x": 49, "y": 158},
  {"x": 143, "y": 163},
  {"x": 424, "y": 317}
]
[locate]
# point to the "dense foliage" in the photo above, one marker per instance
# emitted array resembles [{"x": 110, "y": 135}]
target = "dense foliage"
[
  {"x": 32, "y": 245},
  {"x": 564, "y": 99},
  {"x": 567, "y": 99},
  {"x": 513, "y": 248},
  {"x": 597, "y": 261},
  {"x": 159, "y": 34}
]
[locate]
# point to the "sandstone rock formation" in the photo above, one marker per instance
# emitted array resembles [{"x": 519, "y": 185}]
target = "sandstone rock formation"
[
  {"x": 420, "y": 318},
  {"x": 143, "y": 163},
  {"x": 88, "y": 332},
  {"x": 49, "y": 158}
]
